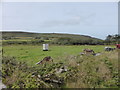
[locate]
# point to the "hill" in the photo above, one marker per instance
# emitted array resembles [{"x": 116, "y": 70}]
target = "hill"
[
  {"x": 55, "y": 38},
  {"x": 53, "y": 35}
]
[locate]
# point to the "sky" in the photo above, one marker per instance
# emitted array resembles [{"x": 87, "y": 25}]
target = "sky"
[{"x": 96, "y": 19}]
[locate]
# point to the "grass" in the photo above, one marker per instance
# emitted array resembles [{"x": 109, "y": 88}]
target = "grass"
[
  {"x": 83, "y": 71},
  {"x": 32, "y": 54},
  {"x": 100, "y": 71}
]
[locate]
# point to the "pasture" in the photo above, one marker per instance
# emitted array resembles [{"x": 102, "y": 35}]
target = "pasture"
[
  {"x": 78, "y": 71},
  {"x": 32, "y": 54}
]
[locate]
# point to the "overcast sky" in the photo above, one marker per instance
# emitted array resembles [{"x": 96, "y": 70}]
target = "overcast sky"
[{"x": 85, "y": 18}]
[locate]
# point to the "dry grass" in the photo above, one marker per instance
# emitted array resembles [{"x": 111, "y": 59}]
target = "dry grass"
[{"x": 95, "y": 71}]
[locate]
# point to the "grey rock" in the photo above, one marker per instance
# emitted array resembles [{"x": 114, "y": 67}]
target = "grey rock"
[{"x": 2, "y": 85}]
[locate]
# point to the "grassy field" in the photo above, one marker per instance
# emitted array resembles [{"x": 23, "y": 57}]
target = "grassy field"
[
  {"x": 32, "y": 54},
  {"x": 82, "y": 71},
  {"x": 69, "y": 69}
]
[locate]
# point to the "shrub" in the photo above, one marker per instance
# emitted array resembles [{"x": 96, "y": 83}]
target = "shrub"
[{"x": 18, "y": 75}]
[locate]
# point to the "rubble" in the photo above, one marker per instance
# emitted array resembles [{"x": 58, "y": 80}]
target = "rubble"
[{"x": 62, "y": 69}]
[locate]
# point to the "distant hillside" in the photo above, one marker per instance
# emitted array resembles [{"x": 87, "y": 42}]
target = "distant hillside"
[
  {"x": 17, "y": 34},
  {"x": 54, "y": 38},
  {"x": 30, "y": 34}
]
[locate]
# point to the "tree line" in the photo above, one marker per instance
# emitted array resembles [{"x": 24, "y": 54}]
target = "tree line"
[{"x": 112, "y": 39}]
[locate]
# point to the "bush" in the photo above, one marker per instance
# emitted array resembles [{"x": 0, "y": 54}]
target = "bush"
[
  {"x": 33, "y": 42},
  {"x": 76, "y": 41},
  {"x": 18, "y": 75}
]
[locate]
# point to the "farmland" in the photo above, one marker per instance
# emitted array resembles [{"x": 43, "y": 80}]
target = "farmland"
[
  {"x": 69, "y": 69},
  {"x": 87, "y": 71},
  {"x": 52, "y": 38},
  {"x": 32, "y": 54}
]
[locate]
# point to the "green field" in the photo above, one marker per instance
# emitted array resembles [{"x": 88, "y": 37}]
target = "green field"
[
  {"x": 32, "y": 54},
  {"x": 22, "y": 50},
  {"x": 85, "y": 71}
]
